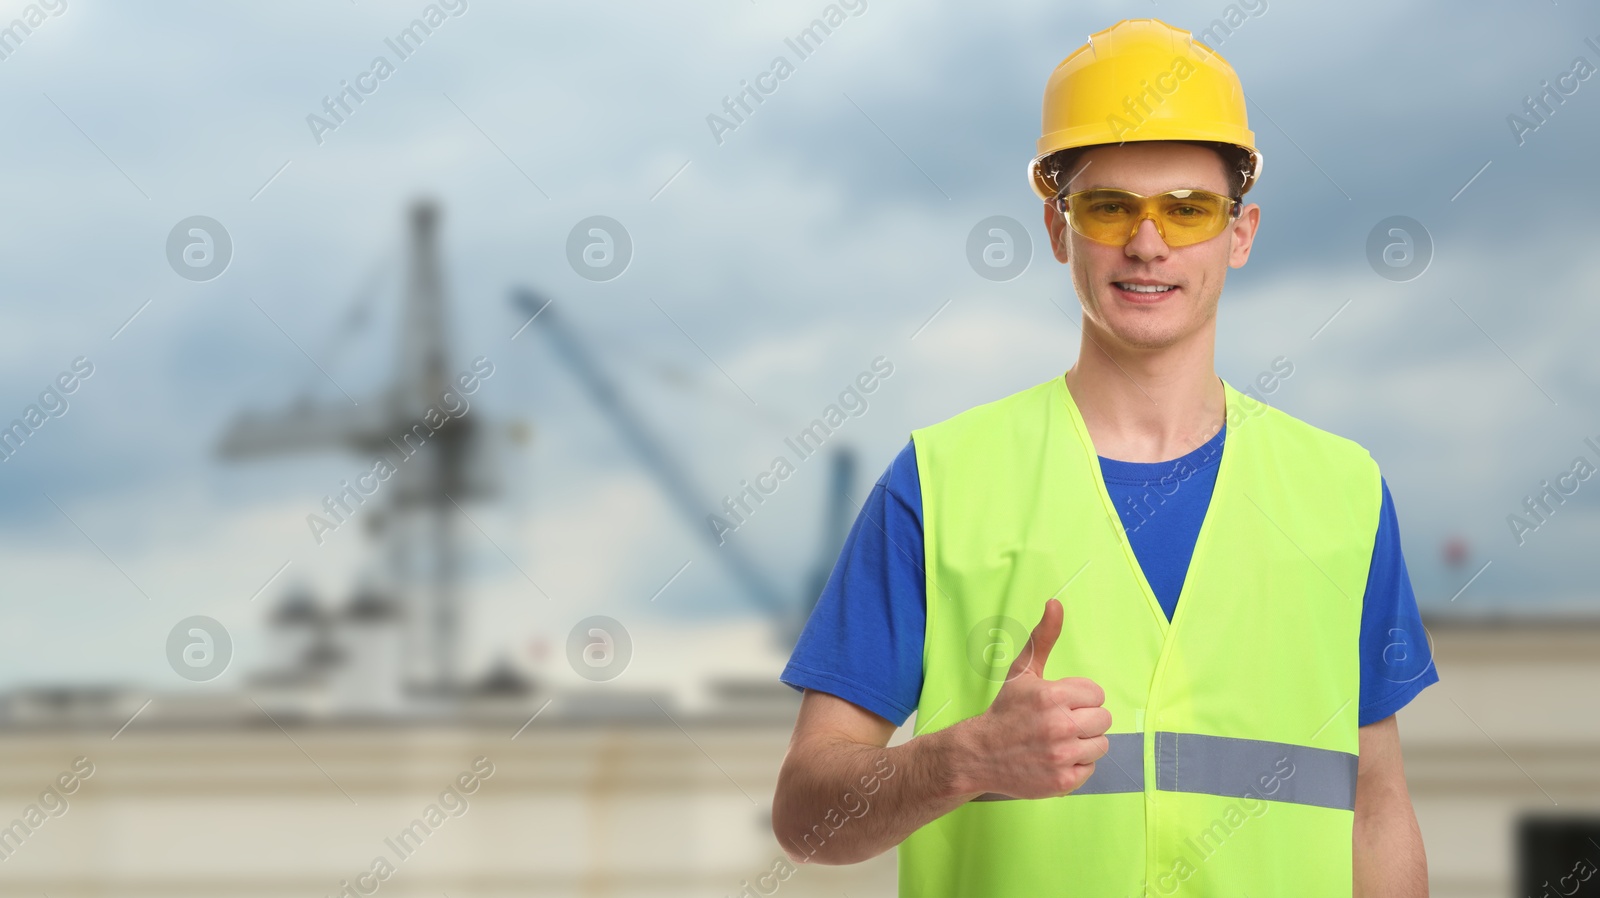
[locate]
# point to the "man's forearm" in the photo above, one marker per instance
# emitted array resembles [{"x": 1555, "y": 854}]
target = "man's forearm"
[
  {"x": 1389, "y": 857},
  {"x": 839, "y": 802}
]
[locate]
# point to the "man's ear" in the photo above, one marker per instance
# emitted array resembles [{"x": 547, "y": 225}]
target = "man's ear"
[
  {"x": 1244, "y": 235},
  {"x": 1055, "y": 224}
]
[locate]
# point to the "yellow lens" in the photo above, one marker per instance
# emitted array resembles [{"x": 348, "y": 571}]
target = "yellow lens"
[
  {"x": 1190, "y": 216},
  {"x": 1105, "y": 216}
]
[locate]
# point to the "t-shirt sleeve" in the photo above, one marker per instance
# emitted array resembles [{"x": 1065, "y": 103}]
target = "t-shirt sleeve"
[
  {"x": 1396, "y": 657},
  {"x": 863, "y": 639}
]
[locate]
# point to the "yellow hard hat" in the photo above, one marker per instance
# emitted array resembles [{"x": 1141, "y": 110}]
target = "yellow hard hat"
[{"x": 1142, "y": 79}]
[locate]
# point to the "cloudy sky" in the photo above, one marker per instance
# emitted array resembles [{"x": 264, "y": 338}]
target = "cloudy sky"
[{"x": 770, "y": 265}]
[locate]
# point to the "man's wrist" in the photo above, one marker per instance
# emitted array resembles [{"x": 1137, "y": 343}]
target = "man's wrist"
[{"x": 957, "y": 757}]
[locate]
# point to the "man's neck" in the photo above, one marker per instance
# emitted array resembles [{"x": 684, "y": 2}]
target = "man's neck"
[{"x": 1147, "y": 406}]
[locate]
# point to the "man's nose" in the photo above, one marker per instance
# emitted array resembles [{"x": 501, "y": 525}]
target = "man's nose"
[{"x": 1147, "y": 242}]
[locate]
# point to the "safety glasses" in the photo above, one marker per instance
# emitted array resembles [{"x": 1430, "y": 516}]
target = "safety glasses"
[{"x": 1182, "y": 217}]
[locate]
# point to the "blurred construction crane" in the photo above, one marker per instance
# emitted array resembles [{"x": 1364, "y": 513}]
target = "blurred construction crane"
[
  {"x": 787, "y": 612},
  {"x": 417, "y": 509}
]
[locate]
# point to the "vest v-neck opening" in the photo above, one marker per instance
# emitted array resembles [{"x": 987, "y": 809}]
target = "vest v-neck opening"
[{"x": 1115, "y": 520}]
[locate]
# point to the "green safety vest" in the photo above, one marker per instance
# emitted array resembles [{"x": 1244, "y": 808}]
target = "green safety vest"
[{"x": 1233, "y": 743}]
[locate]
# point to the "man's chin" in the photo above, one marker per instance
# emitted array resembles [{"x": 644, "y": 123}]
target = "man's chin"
[{"x": 1145, "y": 335}]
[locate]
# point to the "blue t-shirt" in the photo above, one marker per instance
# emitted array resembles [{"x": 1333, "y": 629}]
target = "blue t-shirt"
[{"x": 863, "y": 641}]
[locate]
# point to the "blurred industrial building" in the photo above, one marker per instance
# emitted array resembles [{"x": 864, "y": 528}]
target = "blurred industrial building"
[{"x": 605, "y": 794}]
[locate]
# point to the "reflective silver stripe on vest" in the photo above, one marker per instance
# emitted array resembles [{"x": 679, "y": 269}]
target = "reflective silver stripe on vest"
[
  {"x": 1219, "y": 765},
  {"x": 1277, "y": 771},
  {"x": 1120, "y": 769}
]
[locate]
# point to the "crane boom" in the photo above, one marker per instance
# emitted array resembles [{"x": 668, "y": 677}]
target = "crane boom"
[{"x": 668, "y": 471}]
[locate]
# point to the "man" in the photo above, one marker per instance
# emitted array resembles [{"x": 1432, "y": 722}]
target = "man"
[{"x": 1241, "y": 741}]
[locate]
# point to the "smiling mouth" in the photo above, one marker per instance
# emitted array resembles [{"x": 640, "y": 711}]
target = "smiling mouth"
[{"x": 1144, "y": 291}]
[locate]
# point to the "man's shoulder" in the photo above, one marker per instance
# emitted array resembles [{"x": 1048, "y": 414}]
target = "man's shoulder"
[
  {"x": 1327, "y": 466},
  {"x": 985, "y": 415},
  {"x": 1292, "y": 429}
]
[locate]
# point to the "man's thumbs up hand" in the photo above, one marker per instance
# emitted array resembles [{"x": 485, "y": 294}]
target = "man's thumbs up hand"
[{"x": 1040, "y": 738}]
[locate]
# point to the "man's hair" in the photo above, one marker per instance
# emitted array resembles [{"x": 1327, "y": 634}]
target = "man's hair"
[{"x": 1061, "y": 165}]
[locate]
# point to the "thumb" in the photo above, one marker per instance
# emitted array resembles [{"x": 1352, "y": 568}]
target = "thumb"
[{"x": 1043, "y": 638}]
